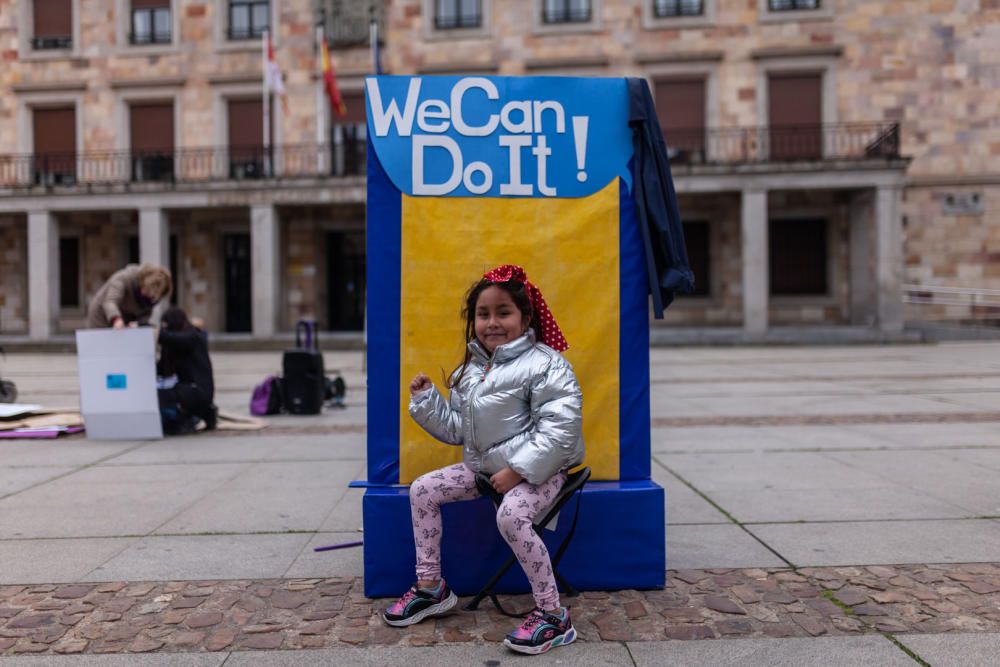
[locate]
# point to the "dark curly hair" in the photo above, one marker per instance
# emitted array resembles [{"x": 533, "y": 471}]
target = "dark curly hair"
[{"x": 518, "y": 294}]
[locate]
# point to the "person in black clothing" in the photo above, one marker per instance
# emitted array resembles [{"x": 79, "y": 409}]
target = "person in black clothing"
[{"x": 184, "y": 353}]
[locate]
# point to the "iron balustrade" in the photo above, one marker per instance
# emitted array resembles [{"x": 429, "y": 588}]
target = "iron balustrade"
[
  {"x": 346, "y": 156},
  {"x": 185, "y": 166},
  {"x": 45, "y": 43},
  {"x": 348, "y": 31},
  {"x": 808, "y": 143},
  {"x": 347, "y": 23}
]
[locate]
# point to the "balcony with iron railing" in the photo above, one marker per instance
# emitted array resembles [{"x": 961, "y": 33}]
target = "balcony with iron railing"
[
  {"x": 727, "y": 149},
  {"x": 183, "y": 167},
  {"x": 784, "y": 145},
  {"x": 347, "y": 24}
]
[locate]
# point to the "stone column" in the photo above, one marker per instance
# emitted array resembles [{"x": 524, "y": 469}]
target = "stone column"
[
  {"x": 755, "y": 261},
  {"x": 264, "y": 269},
  {"x": 43, "y": 274},
  {"x": 154, "y": 237},
  {"x": 889, "y": 258},
  {"x": 864, "y": 310}
]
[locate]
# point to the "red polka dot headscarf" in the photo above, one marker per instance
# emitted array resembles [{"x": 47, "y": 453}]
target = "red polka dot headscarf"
[{"x": 551, "y": 333}]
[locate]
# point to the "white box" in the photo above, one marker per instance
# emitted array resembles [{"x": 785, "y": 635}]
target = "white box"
[{"x": 118, "y": 383}]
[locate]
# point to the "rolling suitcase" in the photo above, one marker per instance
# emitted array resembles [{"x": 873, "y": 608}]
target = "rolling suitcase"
[{"x": 302, "y": 371}]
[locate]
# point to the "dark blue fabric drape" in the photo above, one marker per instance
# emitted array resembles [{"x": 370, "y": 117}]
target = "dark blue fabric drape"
[{"x": 667, "y": 267}]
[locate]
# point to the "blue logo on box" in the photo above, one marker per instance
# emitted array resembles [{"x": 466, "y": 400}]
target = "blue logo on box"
[{"x": 117, "y": 381}]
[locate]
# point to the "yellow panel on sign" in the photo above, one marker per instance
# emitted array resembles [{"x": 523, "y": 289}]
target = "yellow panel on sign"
[{"x": 568, "y": 247}]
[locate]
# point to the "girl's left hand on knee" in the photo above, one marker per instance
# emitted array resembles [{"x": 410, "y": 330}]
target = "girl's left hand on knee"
[{"x": 505, "y": 480}]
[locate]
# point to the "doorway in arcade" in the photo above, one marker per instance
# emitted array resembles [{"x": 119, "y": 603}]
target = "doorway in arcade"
[{"x": 345, "y": 280}]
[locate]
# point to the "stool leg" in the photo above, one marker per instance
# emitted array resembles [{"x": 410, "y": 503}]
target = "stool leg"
[{"x": 487, "y": 590}]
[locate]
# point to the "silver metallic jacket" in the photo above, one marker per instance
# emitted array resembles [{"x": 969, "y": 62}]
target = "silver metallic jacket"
[{"x": 521, "y": 408}]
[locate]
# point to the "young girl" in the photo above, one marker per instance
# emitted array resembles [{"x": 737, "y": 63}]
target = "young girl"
[{"x": 516, "y": 408}]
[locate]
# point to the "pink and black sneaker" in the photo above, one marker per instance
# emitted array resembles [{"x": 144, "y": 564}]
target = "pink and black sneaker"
[
  {"x": 419, "y": 603},
  {"x": 542, "y": 631}
]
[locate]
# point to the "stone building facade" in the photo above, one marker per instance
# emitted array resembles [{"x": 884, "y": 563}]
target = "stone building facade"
[{"x": 830, "y": 152}]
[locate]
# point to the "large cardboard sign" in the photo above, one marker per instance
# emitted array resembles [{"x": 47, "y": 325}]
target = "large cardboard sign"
[
  {"x": 471, "y": 172},
  {"x": 500, "y": 136},
  {"x": 118, "y": 383},
  {"x": 464, "y": 174}
]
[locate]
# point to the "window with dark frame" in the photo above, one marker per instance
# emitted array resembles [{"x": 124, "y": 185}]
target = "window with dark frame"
[
  {"x": 53, "y": 24},
  {"x": 349, "y": 137},
  {"x": 54, "y": 147},
  {"x": 150, "y": 22},
  {"x": 69, "y": 272},
  {"x": 680, "y": 108},
  {"x": 674, "y": 8},
  {"x": 697, "y": 240},
  {"x": 246, "y": 138},
  {"x": 151, "y": 134},
  {"x": 795, "y": 116},
  {"x": 792, "y": 5},
  {"x": 248, "y": 19},
  {"x": 566, "y": 11},
  {"x": 452, "y": 14},
  {"x": 798, "y": 257}
]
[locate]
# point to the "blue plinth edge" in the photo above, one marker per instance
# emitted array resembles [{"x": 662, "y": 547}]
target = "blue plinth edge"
[{"x": 619, "y": 541}]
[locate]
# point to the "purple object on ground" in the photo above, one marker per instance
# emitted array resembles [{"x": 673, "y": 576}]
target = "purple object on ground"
[
  {"x": 39, "y": 433},
  {"x": 345, "y": 545}
]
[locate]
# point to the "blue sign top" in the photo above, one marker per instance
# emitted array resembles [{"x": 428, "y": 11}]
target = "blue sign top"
[{"x": 475, "y": 136}]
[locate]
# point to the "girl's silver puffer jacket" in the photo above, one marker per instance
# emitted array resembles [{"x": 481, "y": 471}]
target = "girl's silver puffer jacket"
[{"x": 521, "y": 408}]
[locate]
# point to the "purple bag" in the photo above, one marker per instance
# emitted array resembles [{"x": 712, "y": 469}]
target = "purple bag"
[{"x": 266, "y": 398}]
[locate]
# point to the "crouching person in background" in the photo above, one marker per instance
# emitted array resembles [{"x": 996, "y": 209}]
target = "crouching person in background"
[
  {"x": 129, "y": 297},
  {"x": 184, "y": 355}
]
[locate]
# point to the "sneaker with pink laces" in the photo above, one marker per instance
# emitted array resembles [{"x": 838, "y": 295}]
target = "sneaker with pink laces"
[
  {"x": 542, "y": 631},
  {"x": 419, "y": 603}
]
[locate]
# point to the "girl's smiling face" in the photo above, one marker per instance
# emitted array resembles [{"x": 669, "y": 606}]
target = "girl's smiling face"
[{"x": 498, "y": 319}]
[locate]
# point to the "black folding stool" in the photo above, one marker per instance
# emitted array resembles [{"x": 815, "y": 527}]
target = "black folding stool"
[{"x": 574, "y": 483}]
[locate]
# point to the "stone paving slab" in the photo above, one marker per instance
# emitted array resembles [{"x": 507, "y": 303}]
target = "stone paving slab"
[
  {"x": 346, "y": 513},
  {"x": 825, "y": 418},
  {"x": 682, "y": 504},
  {"x": 44, "y": 453},
  {"x": 947, "y": 476},
  {"x": 841, "y": 651},
  {"x": 889, "y": 501},
  {"x": 102, "y": 500},
  {"x": 957, "y": 650},
  {"x": 129, "y": 660},
  {"x": 881, "y": 542},
  {"x": 491, "y": 655},
  {"x": 203, "y": 557},
  {"x": 938, "y": 435},
  {"x": 346, "y": 562},
  {"x": 14, "y": 480},
  {"x": 720, "y": 545},
  {"x": 43, "y": 561},
  {"x": 268, "y": 496},
  {"x": 235, "y": 615}
]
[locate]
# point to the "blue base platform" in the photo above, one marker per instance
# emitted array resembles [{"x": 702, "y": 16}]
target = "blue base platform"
[{"x": 619, "y": 541}]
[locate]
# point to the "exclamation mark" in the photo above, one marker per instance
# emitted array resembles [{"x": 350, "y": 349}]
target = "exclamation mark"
[{"x": 580, "y": 139}]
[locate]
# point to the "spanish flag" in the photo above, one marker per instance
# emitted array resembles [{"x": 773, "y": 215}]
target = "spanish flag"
[{"x": 330, "y": 81}]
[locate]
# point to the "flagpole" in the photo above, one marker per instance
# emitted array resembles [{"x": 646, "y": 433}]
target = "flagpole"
[
  {"x": 267, "y": 102},
  {"x": 373, "y": 40},
  {"x": 323, "y": 126}
]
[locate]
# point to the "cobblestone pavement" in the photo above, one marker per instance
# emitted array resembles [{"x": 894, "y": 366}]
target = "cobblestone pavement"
[{"x": 193, "y": 616}]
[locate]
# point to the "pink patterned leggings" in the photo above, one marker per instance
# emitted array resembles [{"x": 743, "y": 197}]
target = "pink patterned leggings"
[{"x": 514, "y": 519}]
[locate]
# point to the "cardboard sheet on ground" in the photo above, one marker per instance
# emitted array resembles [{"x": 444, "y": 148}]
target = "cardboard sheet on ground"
[
  {"x": 118, "y": 383},
  {"x": 13, "y": 410}
]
